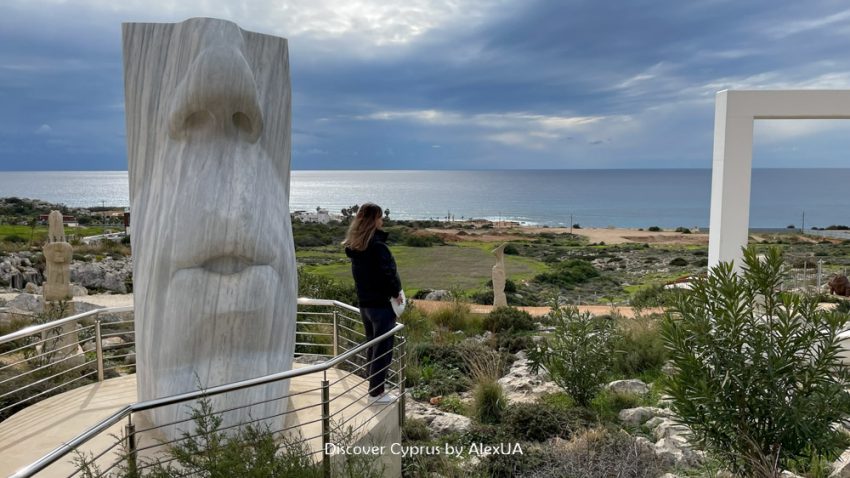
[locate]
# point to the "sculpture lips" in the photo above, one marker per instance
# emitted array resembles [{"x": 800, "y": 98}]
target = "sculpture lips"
[{"x": 227, "y": 264}]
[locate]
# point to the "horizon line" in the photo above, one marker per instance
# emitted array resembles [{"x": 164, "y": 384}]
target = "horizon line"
[{"x": 438, "y": 170}]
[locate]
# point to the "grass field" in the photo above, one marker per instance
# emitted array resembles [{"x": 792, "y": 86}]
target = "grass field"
[
  {"x": 40, "y": 233},
  {"x": 439, "y": 267}
]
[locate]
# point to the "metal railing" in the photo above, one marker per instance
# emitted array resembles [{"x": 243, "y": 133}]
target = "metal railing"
[
  {"x": 45, "y": 359},
  {"x": 325, "y": 329}
]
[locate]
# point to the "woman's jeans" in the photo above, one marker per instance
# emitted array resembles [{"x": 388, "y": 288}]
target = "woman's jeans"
[{"x": 377, "y": 322}]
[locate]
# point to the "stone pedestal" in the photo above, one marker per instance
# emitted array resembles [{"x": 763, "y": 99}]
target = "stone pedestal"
[{"x": 208, "y": 141}]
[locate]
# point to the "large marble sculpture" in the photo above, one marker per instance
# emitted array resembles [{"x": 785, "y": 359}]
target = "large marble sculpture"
[
  {"x": 499, "y": 279},
  {"x": 208, "y": 128}
]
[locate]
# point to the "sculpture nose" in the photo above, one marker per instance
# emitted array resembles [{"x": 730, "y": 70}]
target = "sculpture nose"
[{"x": 218, "y": 92}]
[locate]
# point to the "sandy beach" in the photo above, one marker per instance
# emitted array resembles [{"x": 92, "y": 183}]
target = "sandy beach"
[{"x": 593, "y": 235}]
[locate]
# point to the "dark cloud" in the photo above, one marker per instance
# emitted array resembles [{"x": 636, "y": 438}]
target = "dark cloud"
[{"x": 538, "y": 84}]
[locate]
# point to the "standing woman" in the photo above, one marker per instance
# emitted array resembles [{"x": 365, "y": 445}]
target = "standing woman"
[{"x": 377, "y": 283}]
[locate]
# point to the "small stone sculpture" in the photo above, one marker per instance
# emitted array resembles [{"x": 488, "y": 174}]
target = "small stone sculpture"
[
  {"x": 499, "y": 298},
  {"x": 839, "y": 285},
  {"x": 57, "y": 344},
  {"x": 215, "y": 280},
  {"x": 57, "y": 256}
]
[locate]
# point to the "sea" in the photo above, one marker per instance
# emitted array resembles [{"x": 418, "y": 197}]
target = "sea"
[{"x": 591, "y": 198}]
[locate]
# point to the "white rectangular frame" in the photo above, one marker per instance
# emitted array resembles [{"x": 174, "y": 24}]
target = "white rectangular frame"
[{"x": 734, "y": 114}]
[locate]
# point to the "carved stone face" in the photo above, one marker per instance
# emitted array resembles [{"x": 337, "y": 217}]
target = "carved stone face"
[{"x": 208, "y": 129}]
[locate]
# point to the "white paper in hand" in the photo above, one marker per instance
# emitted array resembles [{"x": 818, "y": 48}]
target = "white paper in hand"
[{"x": 399, "y": 304}]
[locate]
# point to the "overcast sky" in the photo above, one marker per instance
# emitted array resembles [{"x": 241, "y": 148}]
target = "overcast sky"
[{"x": 451, "y": 84}]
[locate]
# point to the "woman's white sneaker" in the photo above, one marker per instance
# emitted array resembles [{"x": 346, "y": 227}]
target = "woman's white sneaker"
[{"x": 383, "y": 399}]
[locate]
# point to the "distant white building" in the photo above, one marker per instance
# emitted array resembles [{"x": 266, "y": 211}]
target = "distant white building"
[{"x": 321, "y": 216}]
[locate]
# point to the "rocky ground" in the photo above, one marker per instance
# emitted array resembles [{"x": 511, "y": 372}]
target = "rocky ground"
[{"x": 108, "y": 274}]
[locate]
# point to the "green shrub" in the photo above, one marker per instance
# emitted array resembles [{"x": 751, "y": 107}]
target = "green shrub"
[
  {"x": 600, "y": 453},
  {"x": 511, "y": 465},
  {"x": 654, "y": 229},
  {"x": 15, "y": 239},
  {"x": 457, "y": 316},
  {"x": 505, "y": 319},
  {"x": 759, "y": 377},
  {"x": 511, "y": 250},
  {"x": 655, "y": 295},
  {"x": 542, "y": 420},
  {"x": 252, "y": 451},
  {"x": 679, "y": 262},
  {"x": 415, "y": 430},
  {"x": 422, "y": 240},
  {"x": 489, "y": 402},
  {"x": 683, "y": 230},
  {"x": 417, "y": 326},
  {"x": 578, "y": 353},
  {"x": 511, "y": 342},
  {"x": 639, "y": 348},
  {"x": 321, "y": 287},
  {"x": 568, "y": 273},
  {"x": 453, "y": 404},
  {"x": 608, "y": 404}
]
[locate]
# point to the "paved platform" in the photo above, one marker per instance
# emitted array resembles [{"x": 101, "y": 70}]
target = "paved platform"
[{"x": 36, "y": 430}]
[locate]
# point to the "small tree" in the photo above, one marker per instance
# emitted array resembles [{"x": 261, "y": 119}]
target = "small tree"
[
  {"x": 758, "y": 373},
  {"x": 578, "y": 354}
]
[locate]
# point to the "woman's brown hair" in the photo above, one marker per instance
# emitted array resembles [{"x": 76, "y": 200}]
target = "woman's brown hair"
[{"x": 363, "y": 227}]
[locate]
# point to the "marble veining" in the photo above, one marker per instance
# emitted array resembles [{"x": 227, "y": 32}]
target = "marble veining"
[{"x": 208, "y": 143}]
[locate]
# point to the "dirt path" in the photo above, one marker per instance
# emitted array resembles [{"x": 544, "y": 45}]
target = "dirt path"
[{"x": 433, "y": 305}]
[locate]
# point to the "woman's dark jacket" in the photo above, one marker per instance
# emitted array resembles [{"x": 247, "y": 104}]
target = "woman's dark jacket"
[{"x": 374, "y": 271}]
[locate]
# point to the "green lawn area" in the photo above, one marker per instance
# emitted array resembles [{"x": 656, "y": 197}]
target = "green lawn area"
[
  {"x": 442, "y": 267},
  {"x": 41, "y": 231}
]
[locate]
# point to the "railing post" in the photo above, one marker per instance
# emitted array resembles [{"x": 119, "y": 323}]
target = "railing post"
[
  {"x": 400, "y": 378},
  {"x": 130, "y": 444},
  {"x": 98, "y": 347},
  {"x": 326, "y": 426},
  {"x": 336, "y": 333}
]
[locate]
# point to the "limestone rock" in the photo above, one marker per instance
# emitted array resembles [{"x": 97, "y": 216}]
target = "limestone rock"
[
  {"x": 112, "y": 343},
  {"x": 631, "y": 386},
  {"x": 523, "y": 385},
  {"x": 668, "y": 428},
  {"x": 439, "y": 422},
  {"x": 841, "y": 466},
  {"x": 31, "y": 288},
  {"x": 27, "y": 302},
  {"x": 109, "y": 274},
  {"x": 130, "y": 358},
  {"x": 638, "y": 415},
  {"x": 438, "y": 294},
  {"x": 79, "y": 291}
]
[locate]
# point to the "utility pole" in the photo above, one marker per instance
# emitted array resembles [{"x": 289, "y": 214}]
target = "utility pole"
[
  {"x": 803, "y": 225},
  {"x": 571, "y": 223}
]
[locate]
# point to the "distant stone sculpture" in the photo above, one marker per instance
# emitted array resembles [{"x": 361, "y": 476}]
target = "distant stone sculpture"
[
  {"x": 57, "y": 257},
  {"x": 499, "y": 298},
  {"x": 59, "y": 343},
  {"x": 215, "y": 283},
  {"x": 839, "y": 285}
]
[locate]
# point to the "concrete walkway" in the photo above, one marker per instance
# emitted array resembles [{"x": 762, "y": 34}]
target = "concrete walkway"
[{"x": 35, "y": 431}]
